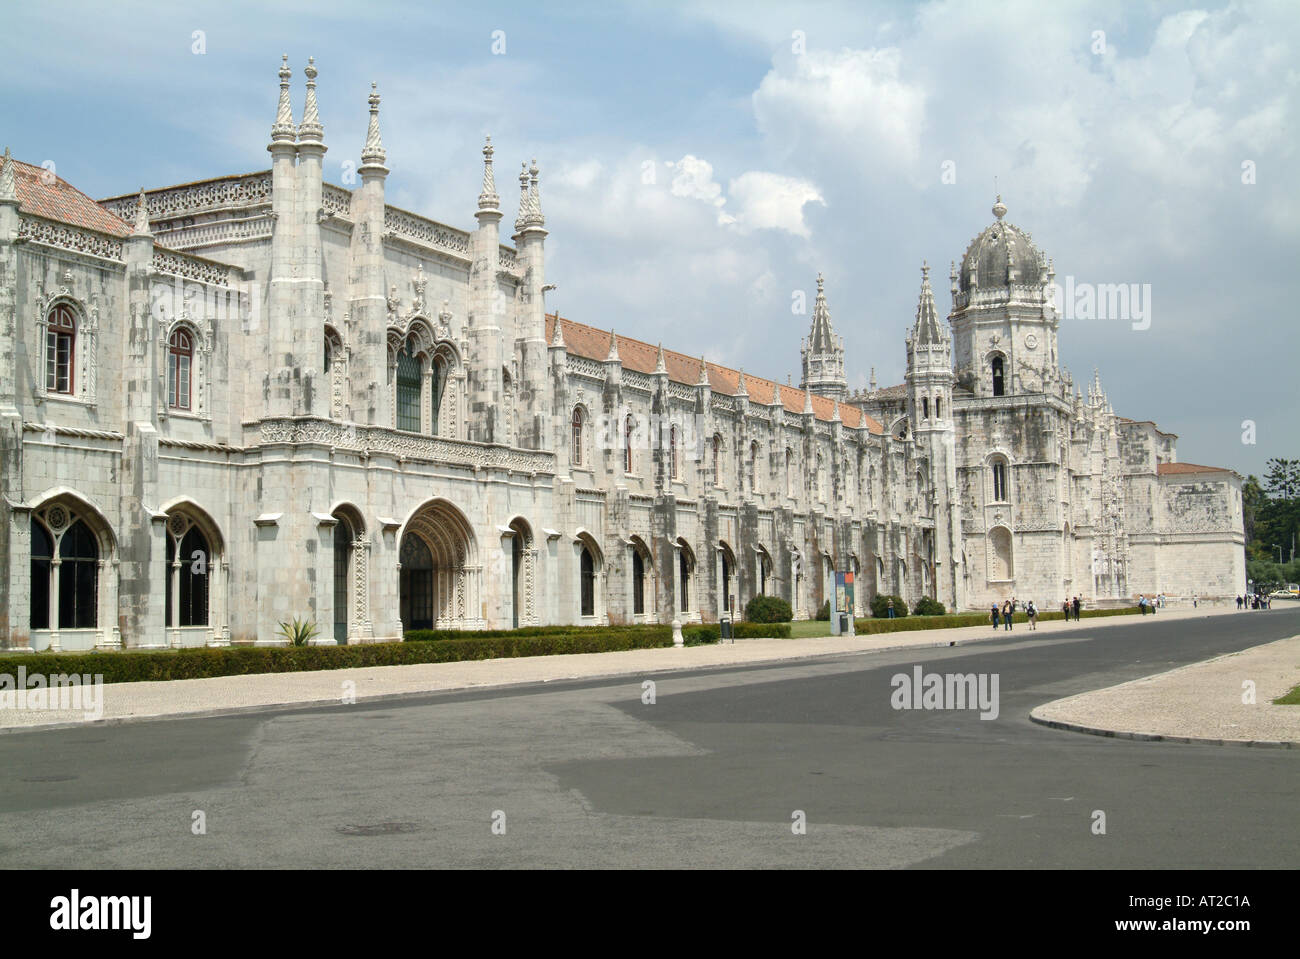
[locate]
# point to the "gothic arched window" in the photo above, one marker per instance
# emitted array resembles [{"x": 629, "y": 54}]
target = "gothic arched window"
[
  {"x": 588, "y": 583},
  {"x": 180, "y": 363},
  {"x": 437, "y": 377},
  {"x": 672, "y": 454},
  {"x": 42, "y": 557},
  {"x": 627, "y": 444},
  {"x": 575, "y": 454},
  {"x": 60, "y": 349},
  {"x": 999, "y": 385},
  {"x": 753, "y": 467},
  {"x": 408, "y": 389},
  {"x": 1000, "y": 477},
  {"x": 78, "y": 578},
  {"x": 717, "y": 460}
]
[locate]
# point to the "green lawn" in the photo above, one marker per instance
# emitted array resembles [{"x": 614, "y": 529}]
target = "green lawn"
[{"x": 1290, "y": 699}]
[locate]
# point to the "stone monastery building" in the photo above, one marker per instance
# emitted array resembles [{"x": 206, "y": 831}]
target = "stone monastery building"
[{"x": 234, "y": 402}]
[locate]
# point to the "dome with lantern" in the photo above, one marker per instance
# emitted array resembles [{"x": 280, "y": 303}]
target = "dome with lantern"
[{"x": 1002, "y": 247}]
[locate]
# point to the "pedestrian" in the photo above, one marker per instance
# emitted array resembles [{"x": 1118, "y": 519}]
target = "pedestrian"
[
  {"x": 993, "y": 615},
  {"x": 1077, "y": 606},
  {"x": 1159, "y": 599},
  {"x": 1032, "y": 612},
  {"x": 1006, "y": 614},
  {"x": 1142, "y": 605},
  {"x": 1065, "y": 608},
  {"x": 890, "y": 607},
  {"x": 1193, "y": 600},
  {"x": 1239, "y": 604}
]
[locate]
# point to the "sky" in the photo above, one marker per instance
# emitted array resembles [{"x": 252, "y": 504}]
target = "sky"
[{"x": 702, "y": 162}]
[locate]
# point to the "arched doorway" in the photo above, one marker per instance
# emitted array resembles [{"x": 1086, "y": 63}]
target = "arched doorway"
[
  {"x": 439, "y": 578},
  {"x": 643, "y": 590},
  {"x": 726, "y": 571},
  {"x": 351, "y": 577}
]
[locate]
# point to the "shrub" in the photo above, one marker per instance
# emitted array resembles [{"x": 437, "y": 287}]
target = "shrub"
[
  {"x": 880, "y": 606},
  {"x": 768, "y": 609},
  {"x": 299, "y": 632},
  {"x": 824, "y": 614},
  {"x": 925, "y": 606}
]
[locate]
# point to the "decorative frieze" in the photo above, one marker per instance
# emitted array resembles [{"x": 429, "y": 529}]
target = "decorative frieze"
[
  {"x": 191, "y": 267},
  {"x": 426, "y": 232},
  {"x": 61, "y": 236},
  {"x": 252, "y": 189}
]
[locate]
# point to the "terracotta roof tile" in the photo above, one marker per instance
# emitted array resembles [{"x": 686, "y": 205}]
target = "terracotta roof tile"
[
  {"x": 593, "y": 343},
  {"x": 40, "y": 193},
  {"x": 1167, "y": 469}
]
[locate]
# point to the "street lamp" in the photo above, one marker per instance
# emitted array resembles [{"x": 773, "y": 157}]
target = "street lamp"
[{"x": 1279, "y": 553}]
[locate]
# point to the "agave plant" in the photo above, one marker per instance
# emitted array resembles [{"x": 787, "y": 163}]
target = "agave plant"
[{"x": 299, "y": 632}]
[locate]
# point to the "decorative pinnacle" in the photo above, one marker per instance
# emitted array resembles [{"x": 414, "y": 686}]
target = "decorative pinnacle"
[
  {"x": 283, "y": 129},
  {"x": 999, "y": 208},
  {"x": 807, "y": 400},
  {"x": 8, "y": 185},
  {"x": 835, "y": 415},
  {"x": 740, "y": 384},
  {"x": 872, "y": 384},
  {"x": 311, "y": 129},
  {"x": 373, "y": 152},
  {"x": 558, "y": 338},
  {"x": 704, "y": 373},
  {"x": 661, "y": 365},
  {"x": 534, "y": 205},
  {"x": 141, "y": 217},
  {"x": 613, "y": 348},
  {"x": 488, "y": 199},
  {"x": 521, "y": 220}
]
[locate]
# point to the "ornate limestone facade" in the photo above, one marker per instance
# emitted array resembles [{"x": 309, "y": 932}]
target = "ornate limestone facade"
[{"x": 230, "y": 403}]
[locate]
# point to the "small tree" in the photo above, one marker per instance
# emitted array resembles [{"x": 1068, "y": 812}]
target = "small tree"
[
  {"x": 925, "y": 606},
  {"x": 880, "y": 606},
  {"x": 768, "y": 609}
]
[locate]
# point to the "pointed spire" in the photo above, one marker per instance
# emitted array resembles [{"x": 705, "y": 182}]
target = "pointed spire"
[
  {"x": 807, "y": 401},
  {"x": 141, "y": 217},
  {"x": 283, "y": 129},
  {"x": 8, "y": 184},
  {"x": 661, "y": 365},
  {"x": 835, "y": 413},
  {"x": 488, "y": 199},
  {"x": 704, "y": 373},
  {"x": 740, "y": 384},
  {"x": 373, "y": 152},
  {"x": 822, "y": 337},
  {"x": 311, "y": 130},
  {"x": 613, "y": 348},
  {"x": 535, "y": 196},
  {"x": 521, "y": 220},
  {"x": 557, "y": 339},
  {"x": 872, "y": 385},
  {"x": 927, "y": 330}
]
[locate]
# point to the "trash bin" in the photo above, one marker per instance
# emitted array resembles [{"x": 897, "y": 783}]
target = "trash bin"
[
  {"x": 844, "y": 624},
  {"x": 725, "y": 626}
]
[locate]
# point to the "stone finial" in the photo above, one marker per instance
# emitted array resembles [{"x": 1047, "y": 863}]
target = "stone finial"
[
  {"x": 488, "y": 199},
  {"x": 872, "y": 385},
  {"x": 535, "y": 194},
  {"x": 613, "y": 348},
  {"x": 740, "y": 384},
  {"x": 372, "y": 154},
  {"x": 141, "y": 217},
  {"x": 661, "y": 364},
  {"x": 704, "y": 373},
  {"x": 835, "y": 413},
  {"x": 807, "y": 402},
  {"x": 8, "y": 183},
  {"x": 311, "y": 130},
  {"x": 525, "y": 199},
  {"x": 420, "y": 282},
  {"x": 284, "y": 130},
  {"x": 557, "y": 339},
  {"x": 999, "y": 208}
]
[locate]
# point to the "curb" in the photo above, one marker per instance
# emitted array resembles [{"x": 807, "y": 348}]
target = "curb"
[{"x": 1157, "y": 737}]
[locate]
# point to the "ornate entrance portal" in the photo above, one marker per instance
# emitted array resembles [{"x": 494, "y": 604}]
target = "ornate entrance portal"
[{"x": 439, "y": 574}]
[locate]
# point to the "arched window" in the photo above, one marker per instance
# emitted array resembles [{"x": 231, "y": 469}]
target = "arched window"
[
  {"x": 638, "y": 583},
  {"x": 409, "y": 376},
  {"x": 588, "y": 583},
  {"x": 1001, "y": 490},
  {"x": 672, "y": 454},
  {"x": 60, "y": 349},
  {"x": 78, "y": 578},
  {"x": 627, "y": 444},
  {"x": 437, "y": 378},
  {"x": 1001, "y": 562},
  {"x": 789, "y": 476},
  {"x": 187, "y": 572},
  {"x": 938, "y": 407},
  {"x": 999, "y": 387},
  {"x": 753, "y": 467},
  {"x": 42, "y": 557},
  {"x": 717, "y": 460},
  {"x": 575, "y": 455},
  {"x": 684, "y": 562},
  {"x": 180, "y": 361},
  {"x": 343, "y": 537}
]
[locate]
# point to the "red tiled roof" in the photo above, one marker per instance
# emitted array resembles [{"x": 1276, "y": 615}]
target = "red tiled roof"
[
  {"x": 592, "y": 343},
  {"x": 41, "y": 193},
  {"x": 1169, "y": 469}
]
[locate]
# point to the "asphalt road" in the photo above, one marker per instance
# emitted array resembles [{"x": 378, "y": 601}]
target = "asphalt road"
[{"x": 716, "y": 772}]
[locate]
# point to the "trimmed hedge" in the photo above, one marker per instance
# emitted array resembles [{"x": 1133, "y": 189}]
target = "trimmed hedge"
[
  {"x": 712, "y": 632},
  {"x": 870, "y": 626},
  {"x": 425, "y": 635},
  {"x": 167, "y": 664},
  {"x": 768, "y": 609}
]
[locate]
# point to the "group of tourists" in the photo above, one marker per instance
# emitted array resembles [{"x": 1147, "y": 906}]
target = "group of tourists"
[
  {"x": 1257, "y": 601},
  {"x": 1004, "y": 615},
  {"x": 1151, "y": 603}
]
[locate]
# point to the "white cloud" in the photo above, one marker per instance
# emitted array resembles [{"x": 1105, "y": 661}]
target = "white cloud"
[{"x": 773, "y": 202}]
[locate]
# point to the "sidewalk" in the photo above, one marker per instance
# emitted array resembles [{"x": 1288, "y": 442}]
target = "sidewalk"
[
  {"x": 1200, "y": 703},
  {"x": 124, "y": 702}
]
